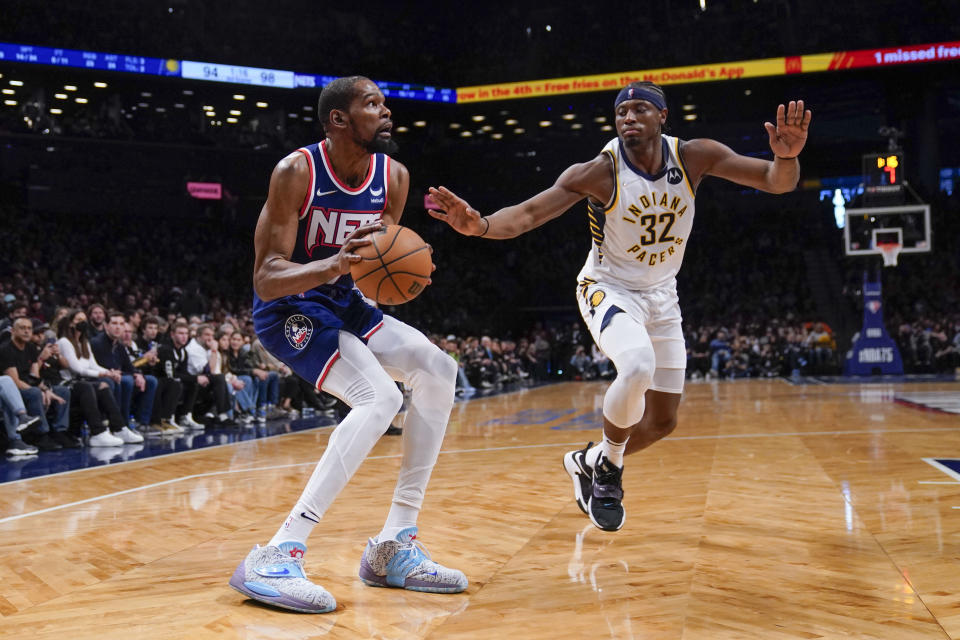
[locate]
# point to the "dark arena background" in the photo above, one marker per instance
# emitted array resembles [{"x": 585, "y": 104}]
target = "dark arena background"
[{"x": 812, "y": 486}]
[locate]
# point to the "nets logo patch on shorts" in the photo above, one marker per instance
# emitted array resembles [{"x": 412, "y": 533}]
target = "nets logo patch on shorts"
[{"x": 298, "y": 330}]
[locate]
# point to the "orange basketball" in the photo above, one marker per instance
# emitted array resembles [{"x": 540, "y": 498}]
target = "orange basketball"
[{"x": 395, "y": 268}]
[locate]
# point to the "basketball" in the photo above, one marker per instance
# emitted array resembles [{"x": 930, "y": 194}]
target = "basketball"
[{"x": 395, "y": 268}]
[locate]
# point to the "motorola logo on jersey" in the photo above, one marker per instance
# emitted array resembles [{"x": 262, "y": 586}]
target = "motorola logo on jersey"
[
  {"x": 298, "y": 329},
  {"x": 330, "y": 227},
  {"x": 674, "y": 175}
]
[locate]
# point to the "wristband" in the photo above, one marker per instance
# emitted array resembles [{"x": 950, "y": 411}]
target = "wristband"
[{"x": 486, "y": 229}]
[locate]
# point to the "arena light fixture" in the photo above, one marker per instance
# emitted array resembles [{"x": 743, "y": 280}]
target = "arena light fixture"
[
  {"x": 100, "y": 85},
  {"x": 82, "y": 101},
  {"x": 307, "y": 107},
  {"x": 510, "y": 122},
  {"x": 689, "y": 107},
  {"x": 10, "y": 103},
  {"x": 308, "y": 118},
  {"x": 576, "y": 125},
  {"x": 690, "y": 116},
  {"x": 9, "y": 92},
  {"x": 569, "y": 116},
  {"x": 60, "y": 96},
  {"x": 239, "y": 96},
  {"x": 606, "y": 127},
  {"x": 188, "y": 92},
  {"x": 546, "y": 123},
  {"x": 496, "y": 136},
  {"x": 747, "y": 92},
  {"x": 142, "y": 105},
  {"x": 478, "y": 118},
  {"x": 519, "y": 130},
  {"x": 56, "y": 112},
  {"x": 454, "y": 125},
  {"x": 234, "y": 112},
  {"x": 68, "y": 87},
  {"x": 402, "y": 129},
  {"x": 600, "y": 119},
  {"x": 262, "y": 105},
  {"x": 487, "y": 127},
  {"x": 291, "y": 115},
  {"x": 17, "y": 83},
  {"x": 466, "y": 134},
  {"x": 420, "y": 123},
  {"x": 161, "y": 110},
  {"x": 211, "y": 114},
  {"x": 178, "y": 105},
  {"x": 146, "y": 94},
  {"x": 232, "y": 120},
  {"x": 208, "y": 107}
]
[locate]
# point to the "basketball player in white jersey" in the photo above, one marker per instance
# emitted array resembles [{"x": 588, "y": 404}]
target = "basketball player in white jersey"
[
  {"x": 640, "y": 199},
  {"x": 323, "y": 200}
]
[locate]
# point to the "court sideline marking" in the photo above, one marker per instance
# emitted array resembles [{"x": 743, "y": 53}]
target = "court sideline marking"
[{"x": 451, "y": 451}]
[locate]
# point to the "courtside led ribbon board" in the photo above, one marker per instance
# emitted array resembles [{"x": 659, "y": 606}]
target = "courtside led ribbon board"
[
  {"x": 836, "y": 61},
  {"x": 205, "y": 190}
]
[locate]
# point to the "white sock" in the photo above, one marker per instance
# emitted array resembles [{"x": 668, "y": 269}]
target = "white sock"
[
  {"x": 613, "y": 451},
  {"x": 297, "y": 526},
  {"x": 401, "y": 517}
]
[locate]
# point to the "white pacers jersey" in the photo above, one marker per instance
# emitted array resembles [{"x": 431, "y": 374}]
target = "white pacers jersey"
[{"x": 640, "y": 235}]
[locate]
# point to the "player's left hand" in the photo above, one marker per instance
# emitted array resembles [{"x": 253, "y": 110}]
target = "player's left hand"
[{"x": 789, "y": 135}]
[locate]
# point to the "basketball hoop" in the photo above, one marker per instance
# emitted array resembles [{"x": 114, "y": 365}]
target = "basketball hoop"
[{"x": 890, "y": 251}]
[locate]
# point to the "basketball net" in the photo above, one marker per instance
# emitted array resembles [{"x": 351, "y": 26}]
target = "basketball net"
[{"x": 890, "y": 251}]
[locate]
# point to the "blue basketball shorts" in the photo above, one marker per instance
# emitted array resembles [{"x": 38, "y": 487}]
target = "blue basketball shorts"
[{"x": 303, "y": 331}]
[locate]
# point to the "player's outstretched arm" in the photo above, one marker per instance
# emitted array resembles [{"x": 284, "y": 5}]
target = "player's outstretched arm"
[
  {"x": 274, "y": 275},
  {"x": 787, "y": 138},
  {"x": 594, "y": 179}
]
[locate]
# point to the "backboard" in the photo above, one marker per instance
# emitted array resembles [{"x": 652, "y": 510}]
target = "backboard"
[{"x": 906, "y": 225}]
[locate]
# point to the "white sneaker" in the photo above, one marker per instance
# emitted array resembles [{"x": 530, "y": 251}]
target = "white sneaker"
[
  {"x": 105, "y": 439},
  {"x": 188, "y": 422},
  {"x": 129, "y": 436},
  {"x": 173, "y": 426}
]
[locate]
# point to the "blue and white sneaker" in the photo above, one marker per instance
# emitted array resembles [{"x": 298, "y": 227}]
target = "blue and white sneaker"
[
  {"x": 404, "y": 563},
  {"x": 275, "y": 576}
]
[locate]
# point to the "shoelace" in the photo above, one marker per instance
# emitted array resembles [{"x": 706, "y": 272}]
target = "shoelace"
[{"x": 417, "y": 547}]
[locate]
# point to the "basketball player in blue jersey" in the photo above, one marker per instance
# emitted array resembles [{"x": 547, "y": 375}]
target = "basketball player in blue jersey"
[
  {"x": 323, "y": 202},
  {"x": 640, "y": 206}
]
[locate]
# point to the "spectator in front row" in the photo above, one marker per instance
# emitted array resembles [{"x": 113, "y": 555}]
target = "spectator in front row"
[
  {"x": 109, "y": 350},
  {"x": 82, "y": 366},
  {"x": 15, "y": 418},
  {"x": 238, "y": 363},
  {"x": 21, "y": 360},
  {"x": 173, "y": 362},
  {"x": 213, "y": 384},
  {"x": 17, "y": 310}
]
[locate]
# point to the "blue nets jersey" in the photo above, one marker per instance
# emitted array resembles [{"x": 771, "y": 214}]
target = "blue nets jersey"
[
  {"x": 640, "y": 235},
  {"x": 332, "y": 210}
]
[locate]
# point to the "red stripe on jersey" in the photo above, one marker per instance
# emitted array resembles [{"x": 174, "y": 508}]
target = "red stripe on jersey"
[{"x": 309, "y": 198}]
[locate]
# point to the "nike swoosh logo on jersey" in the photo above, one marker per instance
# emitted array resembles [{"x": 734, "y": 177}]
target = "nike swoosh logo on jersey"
[
  {"x": 325, "y": 193},
  {"x": 376, "y": 192}
]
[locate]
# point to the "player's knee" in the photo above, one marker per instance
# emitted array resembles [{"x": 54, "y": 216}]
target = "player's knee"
[
  {"x": 637, "y": 372},
  {"x": 390, "y": 400}
]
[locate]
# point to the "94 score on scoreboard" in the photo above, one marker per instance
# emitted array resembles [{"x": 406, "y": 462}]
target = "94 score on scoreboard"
[{"x": 237, "y": 75}]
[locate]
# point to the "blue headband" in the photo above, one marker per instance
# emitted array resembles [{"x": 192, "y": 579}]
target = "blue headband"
[{"x": 640, "y": 93}]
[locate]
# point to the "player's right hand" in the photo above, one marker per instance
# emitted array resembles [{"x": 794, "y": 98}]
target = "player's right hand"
[
  {"x": 358, "y": 238},
  {"x": 456, "y": 212}
]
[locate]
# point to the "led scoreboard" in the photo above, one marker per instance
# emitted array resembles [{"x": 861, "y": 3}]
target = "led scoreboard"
[{"x": 88, "y": 59}]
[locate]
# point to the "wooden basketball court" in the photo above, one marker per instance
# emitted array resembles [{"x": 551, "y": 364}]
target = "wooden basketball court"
[{"x": 774, "y": 512}]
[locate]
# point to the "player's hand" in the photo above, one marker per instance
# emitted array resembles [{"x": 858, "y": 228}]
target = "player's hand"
[
  {"x": 790, "y": 133},
  {"x": 456, "y": 212},
  {"x": 358, "y": 238}
]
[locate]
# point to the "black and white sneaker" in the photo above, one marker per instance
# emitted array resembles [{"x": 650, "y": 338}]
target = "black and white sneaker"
[
  {"x": 575, "y": 463},
  {"x": 25, "y": 421},
  {"x": 605, "y": 506}
]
